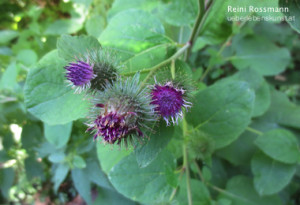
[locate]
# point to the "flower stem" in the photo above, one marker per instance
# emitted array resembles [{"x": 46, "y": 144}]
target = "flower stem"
[
  {"x": 220, "y": 52},
  {"x": 209, "y": 184},
  {"x": 173, "y": 57},
  {"x": 173, "y": 194},
  {"x": 199, "y": 172},
  {"x": 186, "y": 163},
  {"x": 147, "y": 70},
  {"x": 173, "y": 69},
  {"x": 175, "y": 189},
  {"x": 223, "y": 191},
  {"x": 254, "y": 131},
  {"x": 188, "y": 182},
  {"x": 197, "y": 25}
]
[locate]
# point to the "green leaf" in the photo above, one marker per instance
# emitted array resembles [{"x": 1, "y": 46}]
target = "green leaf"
[
  {"x": 57, "y": 157},
  {"x": 31, "y": 136},
  {"x": 138, "y": 40},
  {"x": 172, "y": 178},
  {"x": 109, "y": 156},
  {"x": 48, "y": 97},
  {"x": 131, "y": 32},
  {"x": 262, "y": 99},
  {"x": 58, "y": 135},
  {"x": 175, "y": 144},
  {"x": 259, "y": 85},
  {"x": 82, "y": 184},
  {"x": 222, "y": 111},
  {"x": 216, "y": 29},
  {"x": 13, "y": 111},
  {"x": 9, "y": 77},
  {"x": 79, "y": 162},
  {"x": 27, "y": 57},
  {"x": 254, "y": 52},
  {"x": 6, "y": 181},
  {"x": 111, "y": 197},
  {"x": 200, "y": 193},
  {"x": 122, "y": 5},
  {"x": 147, "y": 152},
  {"x": 240, "y": 151},
  {"x": 96, "y": 175},
  {"x": 293, "y": 11},
  {"x": 148, "y": 58},
  {"x": 70, "y": 47},
  {"x": 206, "y": 173},
  {"x": 282, "y": 111},
  {"x": 275, "y": 33},
  {"x": 95, "y": 25},
  {"x": 219, "y": 175},
  {"x": 240, "y": 191},
  {"x": 7, "y": 35},
  {"x": 64, "y": 26},
  {"x": 201, "y": 145},
  {"x": 60, "y": 174},
  {"x": 34, "y": 169},
  {"x": 279, "y": 144},
  {"x": 223, "y": 202},
  {"x": 270, "y": 176},
  {"x": 85, "y": 3},
  {"x": 179, "y": 12},
  {"x": 85, "y": 146},
  {"x": 45, "y": 149},
  {"x": 146, "y": 185},
  {"x": 5, "y": 51}
]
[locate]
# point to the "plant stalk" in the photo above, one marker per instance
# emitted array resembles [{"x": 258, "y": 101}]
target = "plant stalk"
[
  {"x": 173, "y": 57},
  {"x": 186, "y": 163},
  {"x": 199, "y": 172},
  {"x": 195, "y": 31},
  {"x": 188, "y": 182},
  {"x": 250, "y": 129},
  {"x": 220, "y": 52}
]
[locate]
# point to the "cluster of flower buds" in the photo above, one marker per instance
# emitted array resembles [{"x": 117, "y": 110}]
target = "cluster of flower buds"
[{"x": 121, "y": 109}]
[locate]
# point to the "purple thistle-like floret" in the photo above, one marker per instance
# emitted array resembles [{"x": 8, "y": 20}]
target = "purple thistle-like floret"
[
  {"x": 79, "y": 75},
  {"x": 121, "y": 113},
  {"x": 112, "y": 126},
  {"x": 169, "y": 101}
]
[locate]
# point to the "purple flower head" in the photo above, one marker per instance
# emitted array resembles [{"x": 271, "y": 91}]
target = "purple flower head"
[
  {"x": 113, "y": 126},
  {"x": 79, "y": 75},
  {"x": 121, "y": 111},
  {"x": 169, "y": 101}
]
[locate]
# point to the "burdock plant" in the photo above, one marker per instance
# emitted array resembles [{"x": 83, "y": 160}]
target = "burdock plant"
[
  {"x": 92, "y": 71},
  {"x": 121, "y": 112},
  {"x": 170, "y": 99},
  {"x": 79, "y": 75}
]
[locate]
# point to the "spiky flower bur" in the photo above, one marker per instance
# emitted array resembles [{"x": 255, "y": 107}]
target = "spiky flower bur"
[
  {"x": 92, "y": 70},
  {"x": 121, "y": 111},
  {"x": 106, "y": 68},
  {"x": 79, "y": 75},
  {"x": 169, "y": 101}
]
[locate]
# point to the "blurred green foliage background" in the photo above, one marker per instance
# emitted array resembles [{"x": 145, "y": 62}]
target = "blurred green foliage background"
[{"x": 60, "y": 164}]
